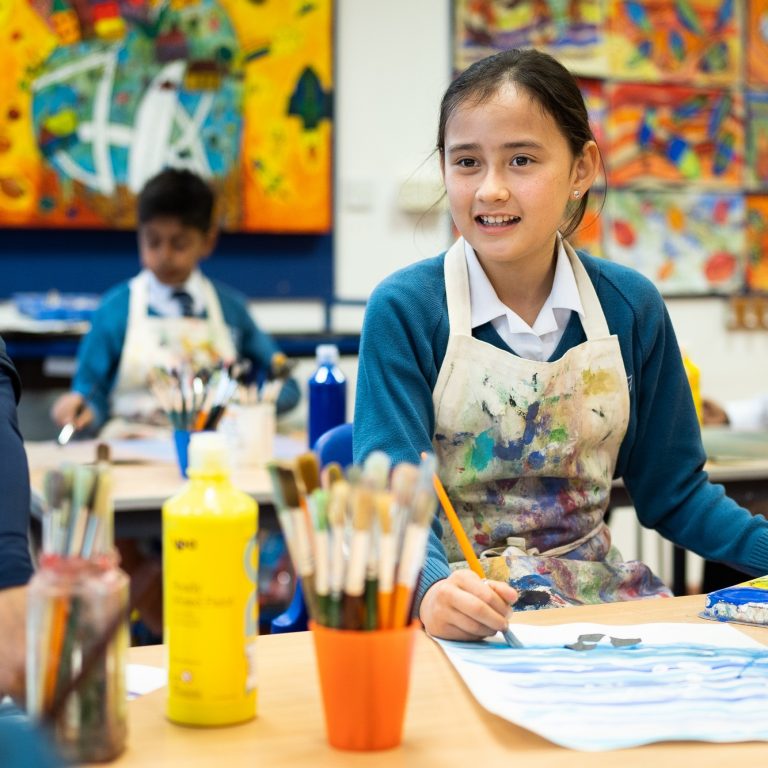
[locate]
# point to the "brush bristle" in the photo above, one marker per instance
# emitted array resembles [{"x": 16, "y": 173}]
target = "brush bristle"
[
  {"x": 309, "y": 471},
  {"x": 337, "y": 506},
  {"x": 383, "y": 511},
  {"x": 405, "y": 477},
  {"x": 376, "y": 470},
  {"x": 362, "y": 514},
  {"x": 289, "y": 487},
  {"x": 331, "y": 474}
]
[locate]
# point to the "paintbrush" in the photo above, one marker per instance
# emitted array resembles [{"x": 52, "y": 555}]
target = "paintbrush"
[
  {"x": 308, "y": 471},
  {"x": 318, "y": 504},
  {"x": 331, "y": 473},
  {"x": 353, "y": 607},
  {"x": 296, "y": 529},
  {"x": 414, "y": 545},
  {"x": 375, "y": 476},
  {"x": 337, "y": 513},
  {"x": 69, "y": 428},
  {"x": 102, "y": 510},
  {"x": 466, "y": 546}
]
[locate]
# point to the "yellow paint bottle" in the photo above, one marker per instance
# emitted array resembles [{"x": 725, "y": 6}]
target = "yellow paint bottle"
[
  {"x": 694, "y": 380},
  {"x": 210, "y": 599}
]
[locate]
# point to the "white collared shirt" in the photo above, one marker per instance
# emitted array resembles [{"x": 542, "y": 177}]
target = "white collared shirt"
[
  {"x": 532, "y": 343},
  {"x": 160, "y": 296}
]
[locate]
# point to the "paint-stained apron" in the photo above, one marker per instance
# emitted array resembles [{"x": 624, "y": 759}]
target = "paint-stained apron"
[
  {"x": 527, "y": 450},
  {"x": 162, "y": 341}
]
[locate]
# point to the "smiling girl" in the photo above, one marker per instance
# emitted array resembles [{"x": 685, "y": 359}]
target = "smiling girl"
[{"x": 536, "y": 374}]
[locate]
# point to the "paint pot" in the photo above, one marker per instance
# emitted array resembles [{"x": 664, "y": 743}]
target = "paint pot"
[{"x": 364, "y": 680}]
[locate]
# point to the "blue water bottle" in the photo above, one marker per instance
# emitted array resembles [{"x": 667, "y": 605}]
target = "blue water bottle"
[{"x": 327, "y": 393}]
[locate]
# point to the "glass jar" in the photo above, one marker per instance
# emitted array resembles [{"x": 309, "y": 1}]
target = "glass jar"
[{"x": 77, "y": 646}]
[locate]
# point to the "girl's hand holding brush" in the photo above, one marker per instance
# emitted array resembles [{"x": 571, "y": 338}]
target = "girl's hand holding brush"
[{"x": 466, "y": 607}]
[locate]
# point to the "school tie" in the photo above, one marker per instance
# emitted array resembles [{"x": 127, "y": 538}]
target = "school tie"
[{"x": 185, "y": 302}]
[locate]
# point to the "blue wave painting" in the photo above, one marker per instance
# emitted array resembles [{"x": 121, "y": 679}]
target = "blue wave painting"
[{"x": 624, "y": 686}]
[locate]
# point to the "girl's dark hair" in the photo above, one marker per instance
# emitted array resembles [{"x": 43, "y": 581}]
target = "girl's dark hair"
[
  {"x": 179, "y": 194},
  {"x": 545, "y": 79}
]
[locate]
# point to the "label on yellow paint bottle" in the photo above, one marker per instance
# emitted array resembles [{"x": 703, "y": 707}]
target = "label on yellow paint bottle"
[{"x": 210, "y": 599}]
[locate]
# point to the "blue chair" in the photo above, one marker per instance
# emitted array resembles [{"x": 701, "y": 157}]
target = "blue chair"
[{"x": 333, "y": 445}]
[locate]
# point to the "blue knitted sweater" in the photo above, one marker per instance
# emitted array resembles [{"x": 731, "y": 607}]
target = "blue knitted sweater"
[{"x": 405, "y": 335}]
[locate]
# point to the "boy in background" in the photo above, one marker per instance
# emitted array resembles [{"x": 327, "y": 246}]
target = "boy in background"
[{"x": 168, "y": 311}]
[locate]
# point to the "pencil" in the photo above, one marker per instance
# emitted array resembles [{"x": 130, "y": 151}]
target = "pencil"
[{"x": 466, "y": 547}]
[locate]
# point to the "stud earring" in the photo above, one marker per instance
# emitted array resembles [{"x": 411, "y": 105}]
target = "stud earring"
[{"x": 576, "y": 193}]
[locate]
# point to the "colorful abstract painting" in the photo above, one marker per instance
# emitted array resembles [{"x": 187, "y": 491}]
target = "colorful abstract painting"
[
  {"x": 597, "y": 687},
  {"x": 757, "y": 43},
  {"x": 757, "y": 242},
  {"x": 684, "y": 41},
  {"x": 572, "y": 31},
  {"x": 685, "y": 242},
  {"x": 589, "y": 235},
  {"x": 756, "y": 166},
  {"x": 99, "y": 95},
  {"x": 661, "y": 135}
]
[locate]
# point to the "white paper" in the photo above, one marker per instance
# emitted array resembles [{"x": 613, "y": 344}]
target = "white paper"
[
  {"x": 143, "y": 679},
  {"x": 681, "y": 682}
]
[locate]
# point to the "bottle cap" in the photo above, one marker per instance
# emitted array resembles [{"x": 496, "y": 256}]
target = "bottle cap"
[
  {"x": 327, "y": 354},
  {"x": 208, "y": 453}
]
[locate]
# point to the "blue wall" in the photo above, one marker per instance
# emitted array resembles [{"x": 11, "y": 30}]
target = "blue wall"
[{"x": 90, "y": 261}]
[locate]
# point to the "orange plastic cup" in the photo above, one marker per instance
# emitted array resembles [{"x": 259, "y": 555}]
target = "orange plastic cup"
[{"x": 364, "y": 683}]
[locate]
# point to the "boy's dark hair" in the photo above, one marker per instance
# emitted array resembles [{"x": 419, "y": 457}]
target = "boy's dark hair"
[
  {"x": 545, "y": 79},
  {"x": 180, "y": 194}
]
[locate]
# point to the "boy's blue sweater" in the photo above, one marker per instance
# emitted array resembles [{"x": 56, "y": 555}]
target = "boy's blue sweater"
[
  {"x": 405, "y": 334},
  {"x": 98, "y": 357}
]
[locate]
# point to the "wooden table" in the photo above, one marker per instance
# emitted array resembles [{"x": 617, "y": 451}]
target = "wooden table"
[{"x": 444, "y": 725}]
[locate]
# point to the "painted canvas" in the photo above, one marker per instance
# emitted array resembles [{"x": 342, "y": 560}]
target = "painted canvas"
[
  {"x": 102, "y": 94},
  {"x": 573, "y": 31},
  {"x": 686, "y": 243},
  {"x": 622, "y": 686},
  {"x": 683, "y": 41},
  {"x": 589, "y": 235},
  {"x": 756, "y": 166},
  {"x": 662, "y": 135},
  {"x": 757, "y": 43},
  {"x": 757, "y": 242}
]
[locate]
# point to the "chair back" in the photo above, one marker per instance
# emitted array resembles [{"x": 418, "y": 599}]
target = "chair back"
[{"x": 335, "y": 445}]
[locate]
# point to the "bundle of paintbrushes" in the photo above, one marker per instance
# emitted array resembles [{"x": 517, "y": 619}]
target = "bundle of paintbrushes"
[
  {"x": 195, "y": 399},
  {"x": 77, "y": 520},
  {"x": 358, "y": 541},
  {"x": 77, "y": 618}
]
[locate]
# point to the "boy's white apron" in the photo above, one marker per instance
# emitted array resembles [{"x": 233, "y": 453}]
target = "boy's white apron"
[
  {"x": 528, "y": 449},
  {"x": 164, "y": 341}
]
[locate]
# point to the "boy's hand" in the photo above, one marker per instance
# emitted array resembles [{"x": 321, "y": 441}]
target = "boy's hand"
[
  {"x": 466, "y": 607},
  {"x": 71, "y": 408}
]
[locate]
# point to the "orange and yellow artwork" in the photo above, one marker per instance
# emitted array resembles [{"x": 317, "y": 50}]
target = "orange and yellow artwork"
[
  {"x": 684, "y": 41},
  {"x": 660, "y": 135},
  {"x": 100, "y": 95},
  {"x": 757, "y": 43}
]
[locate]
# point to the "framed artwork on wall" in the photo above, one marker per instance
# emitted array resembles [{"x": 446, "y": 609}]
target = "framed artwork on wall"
[
  {"x": 677, "y": 96},
  {"x": 102, "y": 94}
]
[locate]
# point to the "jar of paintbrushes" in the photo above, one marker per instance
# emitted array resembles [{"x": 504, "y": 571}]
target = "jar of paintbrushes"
[
  {"x": 77, "y": 619},
  {"x": 357, "y": 542}
]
